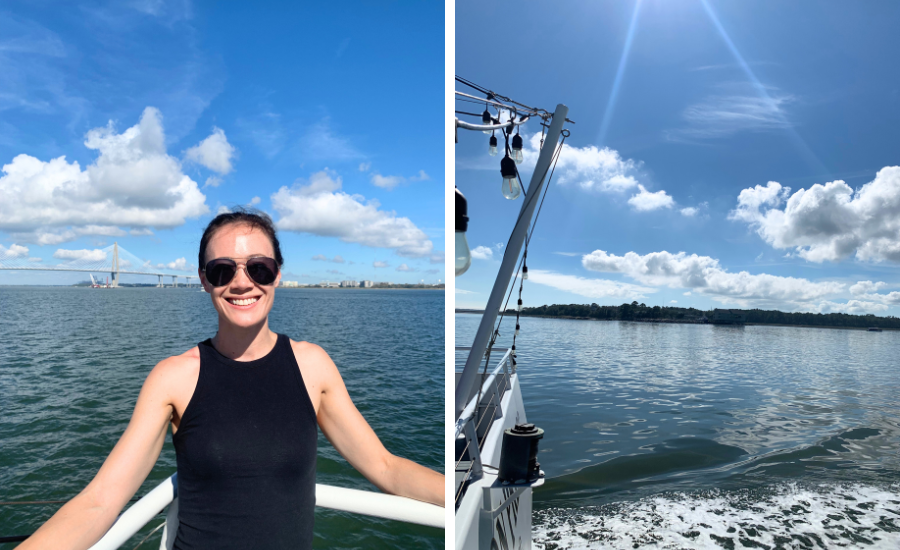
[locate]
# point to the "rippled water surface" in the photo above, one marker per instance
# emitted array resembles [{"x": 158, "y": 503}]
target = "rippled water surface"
[
  {"x": 72, "y": 361},
  {"x": 694, "y": 436}
]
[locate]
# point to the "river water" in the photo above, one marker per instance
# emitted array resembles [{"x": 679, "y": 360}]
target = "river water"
[
  {"x": 702, "y": 436},
  {"x": 72, "y": 361}
]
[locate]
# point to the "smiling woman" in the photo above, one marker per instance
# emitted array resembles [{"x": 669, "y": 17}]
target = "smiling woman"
[{"x": 231, "y": 401}]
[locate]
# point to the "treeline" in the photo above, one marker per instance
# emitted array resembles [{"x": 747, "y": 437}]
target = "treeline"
[{"x": 641, "y": 312}]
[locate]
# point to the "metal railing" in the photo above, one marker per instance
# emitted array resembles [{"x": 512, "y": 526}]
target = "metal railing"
[
  {"x": 336, "y": 498},
  {"x": 474, "y": 415},
  {"x": 505, "y": 368}
]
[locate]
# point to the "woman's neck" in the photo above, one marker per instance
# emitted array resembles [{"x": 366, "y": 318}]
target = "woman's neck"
[{"x": 244, "y": 344}]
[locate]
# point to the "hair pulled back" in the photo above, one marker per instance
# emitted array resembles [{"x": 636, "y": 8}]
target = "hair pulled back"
[{"x": 244, "y": 216}]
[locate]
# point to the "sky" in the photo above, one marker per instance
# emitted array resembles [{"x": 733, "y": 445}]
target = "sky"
[
  {"x": 724, "y": 154},
  {"x": 137, "y": 122}
]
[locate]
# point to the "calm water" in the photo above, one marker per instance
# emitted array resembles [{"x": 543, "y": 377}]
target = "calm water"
[
  {"x": 700, "y": 436},
  {"x": 72, "y": 361}
]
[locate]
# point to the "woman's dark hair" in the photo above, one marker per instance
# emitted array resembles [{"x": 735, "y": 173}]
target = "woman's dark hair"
[{"x": 247, "y": 216}]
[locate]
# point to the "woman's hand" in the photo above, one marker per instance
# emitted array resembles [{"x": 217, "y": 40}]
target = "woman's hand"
[
  {"x": 82, "y": 521},
  {"x": 351, "y": 435}
]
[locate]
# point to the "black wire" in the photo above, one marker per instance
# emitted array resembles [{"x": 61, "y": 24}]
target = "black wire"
[{"x": 527, "y": 240}]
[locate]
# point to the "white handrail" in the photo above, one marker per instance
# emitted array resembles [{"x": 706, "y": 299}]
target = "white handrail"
[
  {"x": 131, "y": 521},
  {"x": 380, "y": 505},
  {"x": 337, "y": 498},
  {"x": 470, "y": 406}
]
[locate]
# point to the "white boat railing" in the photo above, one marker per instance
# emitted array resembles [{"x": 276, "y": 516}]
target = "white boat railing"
[
  {"x": 505, "y": 367},
  {"x": 336, "y": 498}
]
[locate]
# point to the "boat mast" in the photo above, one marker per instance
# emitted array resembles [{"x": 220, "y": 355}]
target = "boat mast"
[{"x": 510, "y": 257}]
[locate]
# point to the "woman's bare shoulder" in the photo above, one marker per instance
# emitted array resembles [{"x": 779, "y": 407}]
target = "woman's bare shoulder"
[
  {"x": 312, "y": 357},
  {"x": 178, "y": 367}
]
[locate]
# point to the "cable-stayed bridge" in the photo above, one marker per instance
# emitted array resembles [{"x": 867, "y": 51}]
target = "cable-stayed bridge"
[{"x": 113, "y": 259}]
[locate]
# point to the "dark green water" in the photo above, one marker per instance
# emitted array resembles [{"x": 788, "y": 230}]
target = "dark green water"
[
  {"x": 696, "y": 436},
  {"x": 72, "y": 361}
]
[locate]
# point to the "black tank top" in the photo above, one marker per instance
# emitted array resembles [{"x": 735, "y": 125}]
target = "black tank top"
[{"x": 246, "y": 453}]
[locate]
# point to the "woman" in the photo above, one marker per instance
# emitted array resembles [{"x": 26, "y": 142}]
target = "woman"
[{"x": 243, "y": 407}]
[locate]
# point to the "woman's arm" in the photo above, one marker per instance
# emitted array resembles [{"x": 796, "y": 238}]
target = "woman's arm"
[
  {"x": 82, "y": 521},
  {"x": 351, "y": 435}
]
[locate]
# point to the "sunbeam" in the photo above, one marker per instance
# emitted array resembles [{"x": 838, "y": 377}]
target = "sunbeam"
[
  {"x": 613, "y": 95},
  {"x": 805, "y": 150}
]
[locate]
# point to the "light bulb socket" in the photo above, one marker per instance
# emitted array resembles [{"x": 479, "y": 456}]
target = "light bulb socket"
[
  {"x": 486, "y": 117},
  {"x": 462, "y": 220},
  {"x": 508, "y": 167},
  {"x": 493, "y": 141},
  {"x": 517, "y": 142}
]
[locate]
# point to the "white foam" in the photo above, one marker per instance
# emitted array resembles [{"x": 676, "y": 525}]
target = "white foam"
[{"x": 826, "y": 516}]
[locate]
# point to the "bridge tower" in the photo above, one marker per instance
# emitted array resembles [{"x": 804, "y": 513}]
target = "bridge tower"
[{"x": 115, "y": 266}]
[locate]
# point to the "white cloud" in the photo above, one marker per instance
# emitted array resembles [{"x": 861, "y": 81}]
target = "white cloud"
[
  {"x": 223, "y": 210},
  {"x": 14, "y": 251},
  {"x": 867, "y": 290},
  {"x": 35, "y": 259},
  {"x": 386, "y": 182},
  {"x": 688, "y": 293},
  {"x": 828, "y": 222},
  {"x": 389, "y": 182},
  {"x": 689, "y": 211},
  {"x": 482, "y": 253},
  {"x": 254, "y": 201},
  {"x": 320, "y": 258},
  {"x": 338, "y": 259},
  {"x": 590, "y": 167},
  {"x": 180, "y": 264},
  {"x": 719, "y": 116},
  {"x": 866, "y": 287},
  {"x": 852, "y": 307},
  {"x": 321, "y": 143},
  {"x": 406, "y": 268},
  {"x": 132, "y": 183},
  {"x": 646, "y": 201},
  {"x": 80, "y": 255},
  {"x": 703, "y": 274},
  {"x": 376, "y": 264},
  {"x": 320, "y": 208},
  {"x": 213, "y": 152},
  {"x": 213, "y": 181},
  {"x": 364, "y": 166},
  {"x": 461, "y": 291},
  {"x": 590, "y": 288},
  {"x": 673, "y": 301}
]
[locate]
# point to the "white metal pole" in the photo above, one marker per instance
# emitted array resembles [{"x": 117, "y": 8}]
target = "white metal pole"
[{"x": 510, "y": 257}]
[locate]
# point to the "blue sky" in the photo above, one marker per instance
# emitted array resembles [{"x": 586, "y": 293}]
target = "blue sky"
[
  {"x": 724, "y": 153},
  {"x": 136, "y": 122}
]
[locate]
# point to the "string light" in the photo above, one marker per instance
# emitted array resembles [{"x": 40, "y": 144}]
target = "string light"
[
  {"x": 510, "y": 186},
  {"x": 463, "y": 254},
  {"x": 493, "y": 145}
]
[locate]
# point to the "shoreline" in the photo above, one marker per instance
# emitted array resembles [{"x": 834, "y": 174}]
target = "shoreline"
[{"x": 680, "y": 322}]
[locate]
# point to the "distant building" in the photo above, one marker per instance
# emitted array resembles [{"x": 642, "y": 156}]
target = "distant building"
[
  {"x": 327, "y": 284},
  {"x": 349, "y": 284},
  {"x": 290, "y": 284},
  {"x": 366, "y": 284}
]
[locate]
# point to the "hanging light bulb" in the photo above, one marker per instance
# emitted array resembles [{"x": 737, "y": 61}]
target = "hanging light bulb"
[
  {"x": 517, "y": 148},
  {"x": 519, "y": 308},
  {"x": 493, "y": 145},
  {"x": 510, "y": 187},
  {"x": 463, "y": 255},
  {"x": 525, "y": 272},
  {"x": 486, "y": 119},
  {"x": 517, "y": 329}
]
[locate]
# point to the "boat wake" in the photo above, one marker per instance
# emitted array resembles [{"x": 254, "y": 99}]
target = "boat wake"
[{"x": 785, "y": 516}]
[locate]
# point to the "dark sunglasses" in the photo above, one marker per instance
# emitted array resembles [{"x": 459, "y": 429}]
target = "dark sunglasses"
[{"x": 221, "y": 271}]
